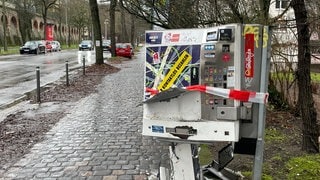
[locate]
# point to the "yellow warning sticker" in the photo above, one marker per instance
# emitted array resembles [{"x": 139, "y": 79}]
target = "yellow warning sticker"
[{"x": 175, "y": 71}]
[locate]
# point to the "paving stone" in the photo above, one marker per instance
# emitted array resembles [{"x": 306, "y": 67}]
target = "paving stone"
[
  {"x": 113, "y": 167},
  {"x": 102, "y": 172},
  {"x": 42, "y": 175},
  {"x": 84, "y": 168},
  {"x": 86, "y": 173},
  {"x": 48, "y": 160},
  {"x": 55, "y": 169},
  {"x": 110, "y": 177},
  {"x": 140, "y": 177},
  {"x": 95, "y": 163},
  {"x": 57, "y": 174},
  {"x": 113, "y": 158},
  {"x": 43, "y": 169},
  {"x": 82, "y": 163},
  {"x": 122, "y": 162},
  {"x": 118, "y": 172},
  {"x": 127, "y": 166},
  {"x": 67, "y": 164},
  {"x": 125, "y": 177},
  {"x": 95, "y": 178},
  {"x": 40, "y": 165},
  {"x": 97, "y": 168},
  {"x": 54, "y": 164}
]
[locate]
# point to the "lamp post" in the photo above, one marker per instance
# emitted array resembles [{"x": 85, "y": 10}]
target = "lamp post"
[{"x": 105, "y": 29}]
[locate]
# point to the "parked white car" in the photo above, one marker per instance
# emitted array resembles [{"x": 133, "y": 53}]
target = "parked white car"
[{"x": 55, "y": 46}]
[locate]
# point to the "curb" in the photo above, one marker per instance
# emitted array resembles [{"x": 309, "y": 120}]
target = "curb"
[
  {"x": 14, "y": 102},
  {"x": 26, "y": 95}
]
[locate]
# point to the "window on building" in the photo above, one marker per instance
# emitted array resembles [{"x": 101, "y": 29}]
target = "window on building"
[
  {"x": 282, "y": 4},
  {"x": 285, "y": 3},
  {"x": 277, "y": 4}
]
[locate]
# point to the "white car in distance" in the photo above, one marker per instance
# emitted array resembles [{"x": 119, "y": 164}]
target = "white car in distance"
[{"x": 55, "y": 46}]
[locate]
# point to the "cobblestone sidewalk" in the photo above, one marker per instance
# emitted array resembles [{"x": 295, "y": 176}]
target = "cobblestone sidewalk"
[{"x": 100, "y": 138}]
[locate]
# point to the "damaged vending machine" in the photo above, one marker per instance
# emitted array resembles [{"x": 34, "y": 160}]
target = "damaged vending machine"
[{"x": 204, "y": 86}]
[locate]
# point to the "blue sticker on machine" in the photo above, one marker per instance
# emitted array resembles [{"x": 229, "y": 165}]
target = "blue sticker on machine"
[
  {"x": 154, "y": 37},
  {"x": 157, "y": 129}
]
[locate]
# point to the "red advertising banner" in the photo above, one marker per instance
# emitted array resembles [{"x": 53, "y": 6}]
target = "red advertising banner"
[
  {"x": 249, "y": 55},
  {"x": 49, "y": 32}
]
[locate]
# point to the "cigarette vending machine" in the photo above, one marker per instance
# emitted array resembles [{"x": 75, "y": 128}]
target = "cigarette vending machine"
[{"x": 206, "y": 85}]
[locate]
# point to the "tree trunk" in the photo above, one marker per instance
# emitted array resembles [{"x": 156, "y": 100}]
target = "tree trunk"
[
  {"x": 96, "y": 30},
  {"x": 124, "y": 33},
  {"x": 264, "y": 6},
  {"x": 45, "y": 29},
  {"x": 25, "y": 16},
  {"x": 69, "y": 36},
  {"x": 5, "y": 26},
  {"x": 113, "y": 6},
  {"x": 133, "y": 29},
  {"x": 308, "y": 112}
]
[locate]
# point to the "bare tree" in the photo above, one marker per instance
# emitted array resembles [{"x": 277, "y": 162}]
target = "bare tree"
[
  {"x": 25, "y": 11},
  {"x": 79, "y": 15},
  {"x": 308, "y": 112},
  {"x": 45, "y": 6},
  {"x": 132, "y": 27},
  {"x": 60, "y": 15},
  {"x": 96, "y": 30},
  {"x": 198, "y": 13},
  {"x": 124, "y": 33},
  {"x": 166, "y": 14}
]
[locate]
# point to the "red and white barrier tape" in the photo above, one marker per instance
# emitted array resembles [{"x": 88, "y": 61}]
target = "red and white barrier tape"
[
  {"x": 245, "y": 96},
  {"x": 152, "y": 91}
]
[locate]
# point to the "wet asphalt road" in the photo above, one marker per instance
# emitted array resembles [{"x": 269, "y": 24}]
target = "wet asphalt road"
[
  {"x": 18, "y": 72},
  {"x": 100, "y": 138}
]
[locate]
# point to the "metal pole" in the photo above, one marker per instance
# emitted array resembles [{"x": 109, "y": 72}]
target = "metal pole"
[
  {"x": 106, "y": 29},
  {"x": 181, "y": 156},
  {"x": 84, "y": 65},
  {"x": 258, "y": 158},
  {"x": 67, "y": 73},
  {"x": 38, "y": 83}
]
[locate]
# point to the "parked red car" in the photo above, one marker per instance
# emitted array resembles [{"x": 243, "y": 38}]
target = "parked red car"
[
  {"x": 124, "y": 50},
  {"x": 48, "y": 46}
]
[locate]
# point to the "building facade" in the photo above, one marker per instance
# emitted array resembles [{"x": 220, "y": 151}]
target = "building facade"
[
  {"x": 13, "y": 35},
  {"x": 285, "y": 35}
]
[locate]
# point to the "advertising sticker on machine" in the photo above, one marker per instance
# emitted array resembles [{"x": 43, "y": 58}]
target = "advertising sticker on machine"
[
  {"x": 230, "y": 77},
  {"x": 170, "y": 55},
  {"x": 175, "y": 37},
  {"x": 249, "y": 55},
  {"x": 154, "y": 38},
  {"x": 175, "y": 71},
  {"x": 170, "y": 66}
]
